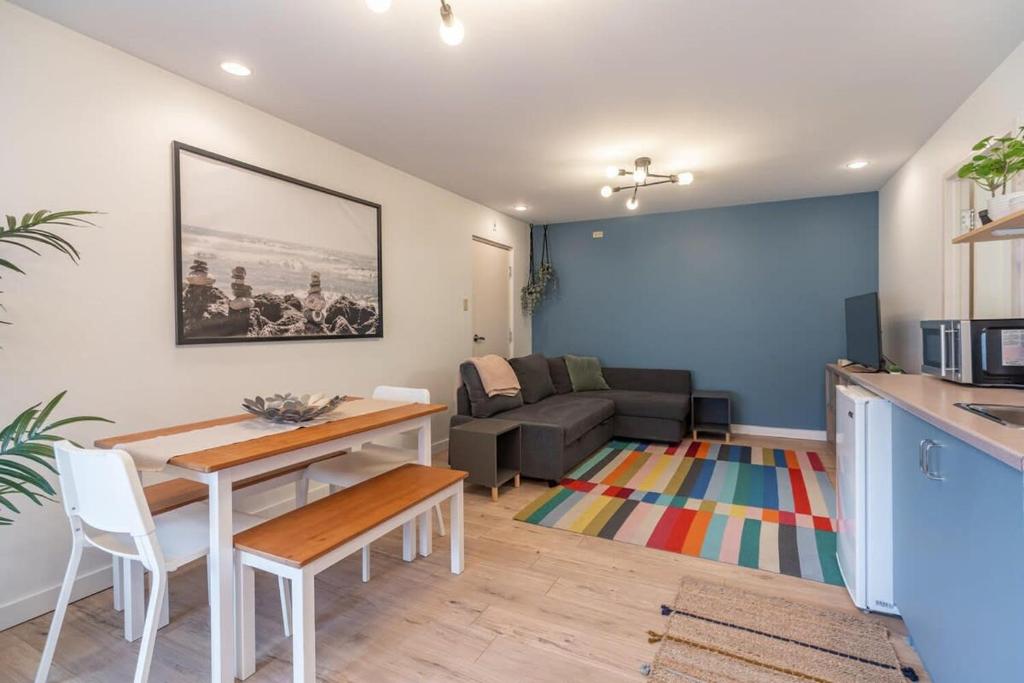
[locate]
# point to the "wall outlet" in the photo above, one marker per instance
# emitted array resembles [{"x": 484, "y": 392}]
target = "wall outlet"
[{"x": 598, "y": 234}]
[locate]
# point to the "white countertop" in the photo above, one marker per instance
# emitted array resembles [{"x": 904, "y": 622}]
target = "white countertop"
[{"x": 933, "y": 399}]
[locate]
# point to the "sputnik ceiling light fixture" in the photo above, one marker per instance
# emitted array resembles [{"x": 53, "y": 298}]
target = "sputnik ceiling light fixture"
[
  {"x": 641, "y": 176},
  {"x": 451, "y": 29}
]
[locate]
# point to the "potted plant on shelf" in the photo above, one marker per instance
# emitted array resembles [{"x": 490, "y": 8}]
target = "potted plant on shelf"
[
  {"x": 997, "y": 160},
  {"x": 26, "y": 444}
]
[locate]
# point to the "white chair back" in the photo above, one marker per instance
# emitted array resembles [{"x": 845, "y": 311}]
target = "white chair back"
[
  {"x": 408, "y": 394},
  {"x": 102, "y": 488}
]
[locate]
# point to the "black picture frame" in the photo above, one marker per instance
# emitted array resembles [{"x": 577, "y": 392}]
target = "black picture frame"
[{"x": 181, "y": 337}]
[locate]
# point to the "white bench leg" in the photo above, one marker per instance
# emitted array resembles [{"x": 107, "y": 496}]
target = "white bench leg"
[
  {"x": 440, "y": 520},
  {"x": 301, "y": 492},
  {"x": 366, "y": 563},
  {"x": 245, "y": 621},
  {"x": 303, "y": 630},
  {"x": 458, "y": 536},
  {"x": 134, "y": 597},
  {"x": 118, "y": 570},
  {"x": 409, "y": 540}
]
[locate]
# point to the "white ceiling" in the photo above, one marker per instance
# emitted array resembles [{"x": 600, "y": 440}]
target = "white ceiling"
[{"x": 762, "y": 99}]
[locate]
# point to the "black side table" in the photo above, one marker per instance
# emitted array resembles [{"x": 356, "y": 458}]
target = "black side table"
[
  {"x": 489, "y": 450},
  {"x": 711, "y": 411}
]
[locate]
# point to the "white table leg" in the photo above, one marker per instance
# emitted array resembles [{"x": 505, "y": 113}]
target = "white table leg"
[
  {"x": 457, "y": 536},
  {"x": 245, "y": 621},
  {"x": 222, "y": 628},
  {"x": 424, "y": 457},
  {"x": 134, "y": 596}
]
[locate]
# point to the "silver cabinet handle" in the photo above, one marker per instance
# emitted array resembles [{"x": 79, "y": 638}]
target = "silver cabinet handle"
[
  {"x": 927, "y": 446},
  {"x": 920, "y": 456}
]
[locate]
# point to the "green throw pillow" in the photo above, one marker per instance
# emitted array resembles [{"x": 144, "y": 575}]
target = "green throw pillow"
[{"x": 585, "y": 373}]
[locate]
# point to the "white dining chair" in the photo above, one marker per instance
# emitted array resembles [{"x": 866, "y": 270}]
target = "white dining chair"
[
  {"x": 107, "y": 509},
  {"x": 372, "y": 459}
]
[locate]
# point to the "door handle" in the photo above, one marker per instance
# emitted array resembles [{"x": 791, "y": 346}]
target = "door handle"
[
  {"x": 478, "y": 338},
  {"x": 926, "y": 456}
]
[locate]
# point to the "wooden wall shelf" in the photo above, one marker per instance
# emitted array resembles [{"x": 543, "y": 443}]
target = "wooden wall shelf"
[{"x": 1006, "y": 228}]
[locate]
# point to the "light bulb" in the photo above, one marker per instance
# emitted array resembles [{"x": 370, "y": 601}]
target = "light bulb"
[
  {"x": 612, "y": 172},
  {"x": 640, "y": 175},
  {"x": 856, "y": 164},
  {"x": 236, "y": 69},
  {"x": 379, "y": 6},
  {"x": 684, "y": 178},
  {"x": 606, "y": 191},
  {"x": 632, "y": 203},
  {"x": 452, "y": 30}
]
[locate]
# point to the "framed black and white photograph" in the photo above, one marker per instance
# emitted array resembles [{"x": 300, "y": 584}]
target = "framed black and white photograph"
[{"x": 260, "y": 256}]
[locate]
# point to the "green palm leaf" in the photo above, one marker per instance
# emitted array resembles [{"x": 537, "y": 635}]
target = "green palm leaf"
[{"x": 26, "y": 447}]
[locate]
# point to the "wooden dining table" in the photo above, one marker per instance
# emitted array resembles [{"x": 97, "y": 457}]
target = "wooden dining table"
[{"x": 220, "y": 467}]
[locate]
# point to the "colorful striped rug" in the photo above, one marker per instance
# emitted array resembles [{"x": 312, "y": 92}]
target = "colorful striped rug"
[{"x": 765, "y": 508}]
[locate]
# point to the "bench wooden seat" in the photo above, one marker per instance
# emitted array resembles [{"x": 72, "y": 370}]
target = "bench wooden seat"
[
  {"x": 172, "y": 494},
  {"x": 302, "y": 543}
]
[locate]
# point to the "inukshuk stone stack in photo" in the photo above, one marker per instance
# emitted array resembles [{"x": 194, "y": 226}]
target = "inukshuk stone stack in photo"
[
  {"x": 315, "y": 302},
  {"x": 241, "y": 291},
  {"x": 199, "y": 275}
]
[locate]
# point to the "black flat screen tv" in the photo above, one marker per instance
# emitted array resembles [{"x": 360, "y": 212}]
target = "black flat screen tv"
[{"x": 864, "y": 331}]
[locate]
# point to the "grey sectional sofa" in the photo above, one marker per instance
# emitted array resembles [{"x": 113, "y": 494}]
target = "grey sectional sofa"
[{"x": 561, "y": 427}]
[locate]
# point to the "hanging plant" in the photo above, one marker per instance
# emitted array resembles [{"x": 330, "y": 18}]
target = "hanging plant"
[{"x": 542, "y": 280}]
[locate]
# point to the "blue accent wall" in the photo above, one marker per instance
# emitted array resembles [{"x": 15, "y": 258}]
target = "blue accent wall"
[{"x": 749, "y": 298}]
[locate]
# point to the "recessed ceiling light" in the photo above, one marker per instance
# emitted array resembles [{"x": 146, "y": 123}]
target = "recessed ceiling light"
[
  {"x": 858, "y": 163},
  {"x": 520, "y": 207},
  {"x": 379, "y": 6},
  {"x": 236, "y": 69}
]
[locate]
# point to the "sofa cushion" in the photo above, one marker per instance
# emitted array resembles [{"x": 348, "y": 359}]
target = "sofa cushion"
[
  {"x": 585, "y": 373},
  {"x": 657, "y": 404},
  {"x": 480, "y": 404},
  {"x": 534, "y": 377},
  {"x": 560, "y": 375},
  {"x": 576, "y": 415}
]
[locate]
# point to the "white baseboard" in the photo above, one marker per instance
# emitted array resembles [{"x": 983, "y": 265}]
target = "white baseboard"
[
  {"x": 31, "y": 606},
  {"x": 807, "y": 434}
]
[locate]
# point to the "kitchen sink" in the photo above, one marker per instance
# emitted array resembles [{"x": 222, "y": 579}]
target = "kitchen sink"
[{"x": 1008, "y": 416}]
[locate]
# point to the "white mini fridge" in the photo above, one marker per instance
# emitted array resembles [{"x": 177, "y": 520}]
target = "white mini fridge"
[{"x": 864, "y": 497}]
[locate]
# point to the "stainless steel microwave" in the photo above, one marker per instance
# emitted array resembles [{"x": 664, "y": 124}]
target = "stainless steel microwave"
[{"x": 988, "y": 353}]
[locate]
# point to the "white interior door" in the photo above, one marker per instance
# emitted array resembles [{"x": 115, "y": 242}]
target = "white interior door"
[{"x": 492, "y": 299}]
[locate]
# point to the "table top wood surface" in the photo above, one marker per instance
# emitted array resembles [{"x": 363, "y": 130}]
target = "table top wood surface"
[
  {"x": 232, "y": 455},
  {"x": 309, "y": 532}
]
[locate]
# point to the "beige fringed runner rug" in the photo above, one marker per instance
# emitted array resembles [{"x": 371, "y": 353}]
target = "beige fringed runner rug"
[{"x": 717, "y": 634}]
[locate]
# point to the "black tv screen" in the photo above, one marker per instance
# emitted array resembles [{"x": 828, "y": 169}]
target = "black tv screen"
[{"x": 864, "y": 330}]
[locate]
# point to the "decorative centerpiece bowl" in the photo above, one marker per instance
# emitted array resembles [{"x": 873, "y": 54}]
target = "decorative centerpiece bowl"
[{"x": 291, "y": 408}]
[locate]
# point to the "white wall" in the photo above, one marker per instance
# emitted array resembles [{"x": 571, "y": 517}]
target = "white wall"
[
  {"x": 86, "y": 126},
  {"x": 910, "y": 240}
]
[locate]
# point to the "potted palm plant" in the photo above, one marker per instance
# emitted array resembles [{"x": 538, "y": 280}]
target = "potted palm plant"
[
  {"x": 996, "y": 161},
  {"x": 26, "y": 444}
]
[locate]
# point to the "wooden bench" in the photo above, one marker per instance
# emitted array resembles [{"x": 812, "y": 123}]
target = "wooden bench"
[
  {"x": 301, "y": 544},
  {"x": 173, "y": 494}
]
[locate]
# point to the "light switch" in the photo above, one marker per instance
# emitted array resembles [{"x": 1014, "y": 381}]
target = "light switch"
[{"x": 465, "y": 304}]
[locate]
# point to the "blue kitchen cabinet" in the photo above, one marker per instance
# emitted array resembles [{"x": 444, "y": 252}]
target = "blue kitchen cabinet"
[{"x": 958, "y": 532}]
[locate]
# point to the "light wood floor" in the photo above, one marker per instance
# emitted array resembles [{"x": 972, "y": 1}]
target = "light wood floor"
[{"x": 534, "y": 604}]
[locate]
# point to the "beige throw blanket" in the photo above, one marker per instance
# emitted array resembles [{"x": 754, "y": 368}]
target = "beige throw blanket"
[{"x": 496, "y": 375}]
